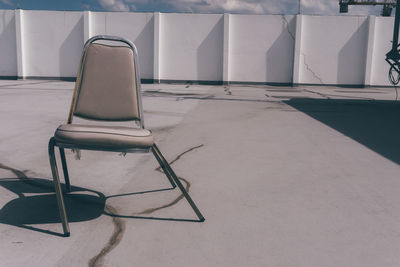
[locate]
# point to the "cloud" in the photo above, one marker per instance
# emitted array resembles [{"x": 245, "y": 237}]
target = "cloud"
[
  {"x": 314, "y": 7},
  {"x": 330, "y": 7},
  {"x": 114, "y": 5},
  {"x": 229, "y": 6},
  {"x": 323, "y": 7}
]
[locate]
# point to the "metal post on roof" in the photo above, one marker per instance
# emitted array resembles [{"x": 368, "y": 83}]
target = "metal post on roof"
[{"x": 388, "y": 5}]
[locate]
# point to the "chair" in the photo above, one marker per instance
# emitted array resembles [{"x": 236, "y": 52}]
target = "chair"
[{"x": 107, "y": 89}]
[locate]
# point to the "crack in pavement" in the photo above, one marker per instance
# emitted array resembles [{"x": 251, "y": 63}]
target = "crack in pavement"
[
  {"x": 18, "y": 173},
  {"x": 176, "y": 200},
  {"x": 119, "y": 224},
  {"x": 317, "y": 93},
  {"x": 25, "y": 179},
  {"x": 115, "y": 239},
  {"x": 227, "y": 90},
  {"x": 164, "y": 93}
]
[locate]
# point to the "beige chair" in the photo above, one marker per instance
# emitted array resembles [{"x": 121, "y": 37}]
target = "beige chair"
[{"x": 107, "y": 89}]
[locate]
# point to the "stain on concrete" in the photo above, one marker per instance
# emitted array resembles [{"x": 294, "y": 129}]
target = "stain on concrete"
[
  {"x": 180, "y": 155},
  {"x": 163, "y": 93},
  {"x": 119, "y": 224},
  {"x": 227, "y": 90},
  {"x": 186, "y": 182},
  {"x": 18, "y": 173},
  {"x": 115, "y": 239},
  {"x": 176, "y": 200}
]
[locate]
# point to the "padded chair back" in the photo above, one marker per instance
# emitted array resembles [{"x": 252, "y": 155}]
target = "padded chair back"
[{"x": 107, "y": 89}]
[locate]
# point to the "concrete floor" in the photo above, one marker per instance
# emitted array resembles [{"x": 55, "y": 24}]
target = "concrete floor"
[{"x": 304, "y": 176}]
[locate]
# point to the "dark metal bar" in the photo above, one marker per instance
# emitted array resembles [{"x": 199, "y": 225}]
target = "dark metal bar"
[
  {"x": 65, "y": 169},
  {"x": 396, "y": 28},
  {"x": 179, "y": 184},
  {"x": 57, "y": 187},
  {"x": 369, "y": 3},
  {"x": 162, "y": 165}
]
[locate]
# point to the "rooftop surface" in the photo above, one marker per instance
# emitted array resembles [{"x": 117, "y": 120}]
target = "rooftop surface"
[{"x": 285, "y": 176}]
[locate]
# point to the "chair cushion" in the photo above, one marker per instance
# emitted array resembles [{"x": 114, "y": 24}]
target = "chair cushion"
[{"x": 108, "y": 137}]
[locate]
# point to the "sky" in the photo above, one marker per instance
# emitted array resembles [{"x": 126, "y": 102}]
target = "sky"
[{"x": 314, "y": 7}]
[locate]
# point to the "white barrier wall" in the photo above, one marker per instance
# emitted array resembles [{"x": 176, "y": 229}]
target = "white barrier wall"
[
  {"x": 191, "y": 47},
  {"x": 137, "y": 27},
  {"x": 270, "y": 49},
  {"x": 8, "y": 46},
  {"x": 261, "y": 48},
  {"x": 52, "y": 43},
  {"x": 382, "y": 45},
  {"x": 333, "y": 50}
]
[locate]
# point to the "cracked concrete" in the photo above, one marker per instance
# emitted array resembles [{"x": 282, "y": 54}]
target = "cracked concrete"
[
  {"x": 310, "y": 70},
  {"x": 227, "y": 90},
  {"x": 286, "y": 25},
  {"x": 119, "y": 228},
  {"x": 298, "y": 177}
]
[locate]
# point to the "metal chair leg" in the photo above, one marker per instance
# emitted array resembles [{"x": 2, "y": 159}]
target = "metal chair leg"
[
  {"x": 57, "y": 187},
  {"x": 171, "y": 175},
  {"x": 65, "y": 169},
  {"x": 161, "y": 162}
]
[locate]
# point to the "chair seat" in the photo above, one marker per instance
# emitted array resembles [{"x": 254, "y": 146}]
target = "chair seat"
[{"x": 106, "y": 137}]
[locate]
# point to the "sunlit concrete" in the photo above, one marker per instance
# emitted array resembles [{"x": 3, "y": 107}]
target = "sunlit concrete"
[{"x": 285, "y": 176}]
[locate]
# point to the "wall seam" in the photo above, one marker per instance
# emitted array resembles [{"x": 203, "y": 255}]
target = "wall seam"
[
  {"x": 156, "y": 45},
  {"x": 19, "y": 32},
  {"x": 370, "y": 50},
  {"x": 225, "y": 56},
  {"x": 297, "y": 51}
]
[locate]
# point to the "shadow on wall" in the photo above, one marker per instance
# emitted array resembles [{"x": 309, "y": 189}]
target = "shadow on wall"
[
  {"x": 70, "y": 51},
  {"x": 375, "y": 124},
  {"x": 279, "y": 56},
  {"x": 210, "y": 54},
  {"x": 8, "y": 48},
  {"x": 146, "y": 54},
  {"x": 352, "y": 57}
]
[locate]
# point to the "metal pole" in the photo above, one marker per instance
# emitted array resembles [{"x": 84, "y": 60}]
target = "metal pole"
[{"x": 396, "y": 28}]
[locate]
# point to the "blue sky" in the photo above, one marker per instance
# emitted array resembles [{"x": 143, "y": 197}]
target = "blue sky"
[{"x": 318, "y": 7}]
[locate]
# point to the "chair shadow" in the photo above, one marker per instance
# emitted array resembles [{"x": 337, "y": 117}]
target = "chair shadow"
[
  {"x": 42, "y": 208},
  {"x": 81, "y": 204}
]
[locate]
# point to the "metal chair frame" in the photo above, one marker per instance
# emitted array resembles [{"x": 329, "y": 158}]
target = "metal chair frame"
[{"x": 173, "y": 179}]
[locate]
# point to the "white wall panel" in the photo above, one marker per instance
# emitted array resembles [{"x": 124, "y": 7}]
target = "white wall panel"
[
  {"x": 8, "y": 50},
  {"x": 333, "y": 49},
  {"x": 382, "y": 45},
  {"x": 205, "y": 47},
  {"x": 53, "y": 43},
  {"x": 191, "y": 47},
  {"x": 137, "y": 27},
  {"x": 261, "y": 48}
]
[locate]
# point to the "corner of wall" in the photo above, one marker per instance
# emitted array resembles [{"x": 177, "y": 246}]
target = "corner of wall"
[{"x": 297, "y": 51}]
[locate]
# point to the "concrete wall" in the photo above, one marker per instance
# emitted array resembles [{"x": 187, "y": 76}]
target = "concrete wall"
[
  {"x": 53, "y": 43},
  {"x": 8, "y": 46},
  {"x": 382, "y": 45},
  {"x": 333, "y": 51},
  {"x": 261, "y": 48},
  {"x": 137, "y": 27},
  {"x": 191, "y": 47},
  {"x": 346, "y": 50}
]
